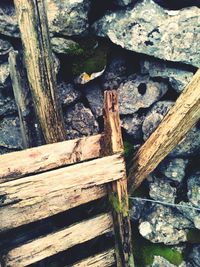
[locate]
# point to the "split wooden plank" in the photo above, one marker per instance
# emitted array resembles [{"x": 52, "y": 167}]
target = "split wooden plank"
[
  {"x": 19, "y": 164},
  {"x": 36, "y": 197},
  {"x": 173, "y": 128},
  {"x": 31, "y": 136},
  {"x": 118, "y": 194},
  {"x": 62, "y": 240},
  {"x": 104, "y": 259},
  {"x": 38, "y": 59}
]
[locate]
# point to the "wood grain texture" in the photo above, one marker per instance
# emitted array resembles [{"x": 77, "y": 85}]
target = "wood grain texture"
[
  {"x": 19, "y": 164},
  {"x": 54, "y": 243},
  {"x": 118, "y": 194},
  {"x": 175, "y": 125},
  {"x": 31, "y": 136},
  {"x": 35, "y": 197},
  {"x": 33, "y": 26},
  {"x": 104, "y": 259}
]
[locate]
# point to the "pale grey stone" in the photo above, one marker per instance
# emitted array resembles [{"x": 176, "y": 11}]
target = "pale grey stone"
[
  {"x": 194, "y": 256},
  {"x": 7, "y": 105},
  {"x": 125, "y": 2},
  {"x": 5, "y": 47},
  {"x": 132, "y": 124},
  {"x": 193, "y": 184},
  {"x": 159, "y": 261},
  {"x": 79, "y": 122},
  {"x": 178, "y": 78},
  {"x": 4, "y": 75},
  {"x": 150, "y": 29},
  {"x": 139, "y": 92},
  {"x": 10, "y": 134},
  {"x": 174, "y": 169},
  {"x": 94, "y": 96},
  {"x": 68, "y": 94},
  {"x": 162, "y": 224}
]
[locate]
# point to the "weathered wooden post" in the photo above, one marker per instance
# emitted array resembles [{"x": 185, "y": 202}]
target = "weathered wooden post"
[
  {"x": 31, "y": 136},
  {"x": 33, "y": 26},
  {"x": 178, "y": 121},
  {"x": 118, "y": 191}
]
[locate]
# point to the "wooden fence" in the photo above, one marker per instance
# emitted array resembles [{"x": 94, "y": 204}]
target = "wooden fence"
[{"x": 42, "y": 182}]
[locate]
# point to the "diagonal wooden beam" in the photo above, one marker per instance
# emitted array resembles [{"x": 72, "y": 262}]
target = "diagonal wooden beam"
[{"x": 175, "y": 125}]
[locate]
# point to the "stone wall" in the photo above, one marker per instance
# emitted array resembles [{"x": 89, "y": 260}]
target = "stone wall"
[{"x": 148, "y": 51}]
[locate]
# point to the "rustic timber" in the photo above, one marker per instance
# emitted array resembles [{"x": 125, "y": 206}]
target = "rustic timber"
[
  {"x": 54, "y": 243},
  {"x": 39, "y": 64},
  {"x": 118, "y": 191},
  {"x": 175, "y": 125},
  {"x": 30, "y": 134},
  {"x": 43, "y": 195},
  {"x": 104, "y": 259},
  {"x": 47, "y": 157}
]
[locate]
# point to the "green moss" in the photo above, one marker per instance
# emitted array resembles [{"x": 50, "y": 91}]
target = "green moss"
[
  {"x": 92, "y": 59},
  {"x": 75, "y": 49},
  {"x": 193, "y": 236},
  {"x": 144, "y": 251},
  {"x": 128, "y": 149},
  {"x": 119, "y": 207}
]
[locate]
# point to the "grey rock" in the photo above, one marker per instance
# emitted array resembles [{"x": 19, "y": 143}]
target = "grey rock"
[
  {"x": 136, "y": 209},
  {"x": 65, "y": 46},
  {"x": 132, "y": 124},
  {"x": 174, "y": 169},
  {"x": 94, "y": 96},
  {"x": 125, "y": 2},
  {"x": 69, "y": 17},
  {"x": 56, "y": 62},
  {"x": 7, "y": 105},
  {"x": 188, "y": 210},
  {"x": 10, "y": 135},
  {"x": 149, "y": 29},
  {"x": 8, "y": 20},
  {"x": 114, "y": 74},
  {"x": 193, "y": 184},
  {"x": 65, "y": 17},
  {"x": 178, "y": 78},
  {"x": 154, "y": 117},
  {"x": 190, "y": 145},
  {"x": 139, "y": 92},
  {"x": 68, "y": 94},
  {"x": 194, "y": 256},
  {"x": 4, "y": 75},
  {"x": 159, "y": 261},
  {"x": 5, "y": 47},
  {"x": 163, "y": 224},
  {"x": 80, "y": 122},
  {"x": 161, "y": 190}
]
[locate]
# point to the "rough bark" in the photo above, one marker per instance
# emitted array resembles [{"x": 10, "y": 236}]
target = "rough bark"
[
  {"x": 39, "y": 64},
  {"x": 175, "y": 125},
  {"x": 47, "y": 157},
  {"x": 118, "y": 190},
  {"x": 54, "y": 243},
  {"x": 31, "y": 136},
  {"x": 46, "y": 194},
  {"x": 104, "y": 259}
]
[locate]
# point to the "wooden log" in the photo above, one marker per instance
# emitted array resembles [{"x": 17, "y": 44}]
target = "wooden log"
[
  {"x": 43, "y": 195},
  {"x": 31, "y": 136},
  {"x": 54, "y": 243},
  {"x": 47, "y": 157},
  {"x": 175, "y": 125},
  {"x": 104, "y": 259},
  {"x": 118, "y": 191},
  {"x": 39, "y": 64}
]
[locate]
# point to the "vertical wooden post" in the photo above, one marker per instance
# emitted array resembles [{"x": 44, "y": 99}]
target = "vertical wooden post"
[
  {"x": 118, "y": 190},
  {"x": 39, "y": 64},
  {"x": 30, "y": 135}
]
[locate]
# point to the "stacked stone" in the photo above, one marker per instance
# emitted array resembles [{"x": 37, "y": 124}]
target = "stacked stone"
[{"x": 152, "y": 51}]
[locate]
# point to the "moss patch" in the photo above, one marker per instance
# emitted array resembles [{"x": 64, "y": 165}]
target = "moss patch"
[
  {"x": 144, "y": 251},
  {"x": 193, "y": 236},
  {"x": 93, "y": 57}
]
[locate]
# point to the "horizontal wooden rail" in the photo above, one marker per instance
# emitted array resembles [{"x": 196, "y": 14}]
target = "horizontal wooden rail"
[
  {"x": 47, "y": 157},
  {"x": 40, "y": 196},
  {"x": 104, "y": 259},
  {"x": 176, "y": 124},
  {"x": 54, "y": 243}
]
